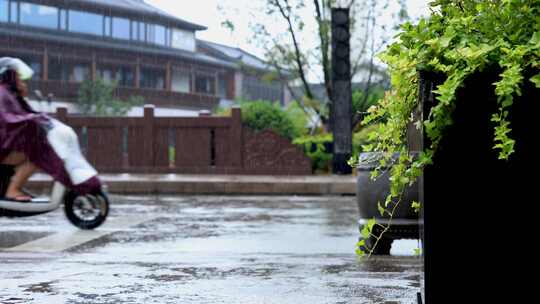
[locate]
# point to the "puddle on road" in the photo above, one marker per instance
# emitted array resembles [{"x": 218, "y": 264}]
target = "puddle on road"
[
  {"x": 43, "y": 287},
  {"x": 9, "y": 239}
]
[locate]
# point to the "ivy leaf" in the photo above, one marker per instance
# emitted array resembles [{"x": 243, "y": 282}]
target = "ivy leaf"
[
  {"x": 365, "y": 232},
  {"x": 389, "y": 197},
  {"x": 352, "y": 162},
  {"x": 359, "y": 252},
  {"x": 445, "y": 41},
  {"x": 374, "y": 174},
  {"x": 367, "y": 148},
  {"x": 536, "y": 80},
  {"x": 380, "y": 208},
  {"x": 416, "y": 206},
  {"x": 508, "y": 101},
  {"x": 360, "y": 248},
  {"x": 370, "y": 224},
  {"x": 535, "y": 40}
]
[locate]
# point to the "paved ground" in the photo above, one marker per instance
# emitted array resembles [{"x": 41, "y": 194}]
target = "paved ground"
[{"x": 203, "y": 250}]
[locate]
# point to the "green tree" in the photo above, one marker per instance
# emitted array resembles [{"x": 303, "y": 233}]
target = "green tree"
[
  {"x": 97, "y": 98},
  {"x": 286, "y": 52}
]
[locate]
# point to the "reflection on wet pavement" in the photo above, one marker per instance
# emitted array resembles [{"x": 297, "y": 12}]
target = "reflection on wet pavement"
[
  {"x": 15, "y": 238},
  {"x": 210, "y": 250}
]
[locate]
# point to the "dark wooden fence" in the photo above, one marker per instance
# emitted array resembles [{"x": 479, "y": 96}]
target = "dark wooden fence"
[{"x": 190, "y": 145}]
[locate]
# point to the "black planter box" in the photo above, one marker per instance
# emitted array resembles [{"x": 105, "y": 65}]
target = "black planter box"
[{"x": 480, "y": 212}]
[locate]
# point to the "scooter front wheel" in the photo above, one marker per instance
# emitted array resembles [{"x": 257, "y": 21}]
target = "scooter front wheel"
[{"x": 86, "y": 211}]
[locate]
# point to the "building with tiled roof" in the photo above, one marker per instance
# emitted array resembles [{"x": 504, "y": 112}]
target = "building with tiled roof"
[{"x": 147, "y": 51}]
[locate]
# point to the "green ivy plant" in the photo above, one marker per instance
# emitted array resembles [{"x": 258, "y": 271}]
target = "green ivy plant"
[{"x": 461, "y": 37}]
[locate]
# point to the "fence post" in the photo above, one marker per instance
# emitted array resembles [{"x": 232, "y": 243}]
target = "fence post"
[
  {"x": 61, "y": 114},
  {"x": 204, "y": 113},
  {"x": 236, "y": 138},
  {"x": 148, "y": 126}
]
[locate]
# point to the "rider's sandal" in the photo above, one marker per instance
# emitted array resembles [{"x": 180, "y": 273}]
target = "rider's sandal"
[
  {"x": 17, "y": 199},
  {"x": 28, "y": 193}
]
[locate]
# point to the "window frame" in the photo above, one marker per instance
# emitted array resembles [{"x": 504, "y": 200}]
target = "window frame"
[
  {"x": 7, "y": 5},
  {"x": 163, "y": 40},
  {"x": 31, "y": 4},
  {"x": 14, "y": 5},
  {"x": 107, "y": 26},
  {"x": 69, "y": 64},
  {"x": 134, "y": 30},
  {"x": 206, "y": 75},
  {"x": 73, "y": 30},
  {"x": 62, "y": 24},
  {"x": 141, "y": 26},
  {"x": 113, "y": 18},
  {"x": 122, "y": 68},
  {"x": 142, "y": 79}
]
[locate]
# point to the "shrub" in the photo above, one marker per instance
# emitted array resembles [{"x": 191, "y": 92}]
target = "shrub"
[
  {"x": 318, "y": 149},
  {"x": 261, "y": 115},
  {"x": 298, "y": 117},
  {"x": 97, "y": 98}
]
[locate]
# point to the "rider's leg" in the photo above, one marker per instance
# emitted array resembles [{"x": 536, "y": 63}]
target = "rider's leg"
[
  {"x": 14, "y": 159},
  {"x": 23, "y": 170}
]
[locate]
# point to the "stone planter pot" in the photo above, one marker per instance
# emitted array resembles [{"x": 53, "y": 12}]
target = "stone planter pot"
[{"x": 404, "y": 223}]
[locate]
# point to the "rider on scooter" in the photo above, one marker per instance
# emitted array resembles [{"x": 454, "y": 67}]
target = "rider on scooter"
[
  {"x": 14, "y": 109},
  {"x": 24, "y": 141}
]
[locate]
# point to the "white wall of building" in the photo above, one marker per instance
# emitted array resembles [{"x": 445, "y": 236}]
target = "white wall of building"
[
  {"x": 184, "y": 40},
  {"x": 287, "y": 98},
  {"x": 238, "y": 79}
]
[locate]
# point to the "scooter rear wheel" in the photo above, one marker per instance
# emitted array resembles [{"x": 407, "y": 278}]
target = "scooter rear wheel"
[{"x": 86, "y": 211}]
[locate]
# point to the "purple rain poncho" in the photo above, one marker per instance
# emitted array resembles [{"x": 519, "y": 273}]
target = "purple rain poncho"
[{"x": 24, "y": 130}]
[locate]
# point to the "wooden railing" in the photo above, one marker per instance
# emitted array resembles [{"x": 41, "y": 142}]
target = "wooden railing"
[
  {"x": 69, "y": 91},
  {"x": 191, "y": 145}
]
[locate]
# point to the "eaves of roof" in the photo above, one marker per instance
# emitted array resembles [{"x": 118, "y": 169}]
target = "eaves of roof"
[
  {"x": 133, "y": 8},
  {"x": 110, "y": 44},
  {"x": 236, "y": 55}
]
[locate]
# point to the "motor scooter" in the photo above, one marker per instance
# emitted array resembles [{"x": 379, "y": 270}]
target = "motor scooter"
[{"x": 86, "y": 210}]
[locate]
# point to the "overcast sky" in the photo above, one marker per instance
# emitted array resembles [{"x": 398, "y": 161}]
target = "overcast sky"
[
  {"x": 206, "y": 12},
  {"x": 244, "y": 12}
]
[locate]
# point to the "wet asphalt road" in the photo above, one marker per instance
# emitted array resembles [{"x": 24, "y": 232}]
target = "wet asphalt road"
[{"x": 203, "y": 250}]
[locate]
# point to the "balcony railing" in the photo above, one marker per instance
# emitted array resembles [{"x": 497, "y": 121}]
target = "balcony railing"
[{"x": 68, "y": 91}]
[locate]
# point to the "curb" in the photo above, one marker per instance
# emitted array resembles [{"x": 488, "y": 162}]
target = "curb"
[{"x": 224, "y": 184}]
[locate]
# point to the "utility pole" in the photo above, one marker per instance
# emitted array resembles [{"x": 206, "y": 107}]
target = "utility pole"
[{"x": 341, "y": 84}]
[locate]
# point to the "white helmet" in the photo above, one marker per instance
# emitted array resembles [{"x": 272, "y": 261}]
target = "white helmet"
[{"x": 8, "y": 63}]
